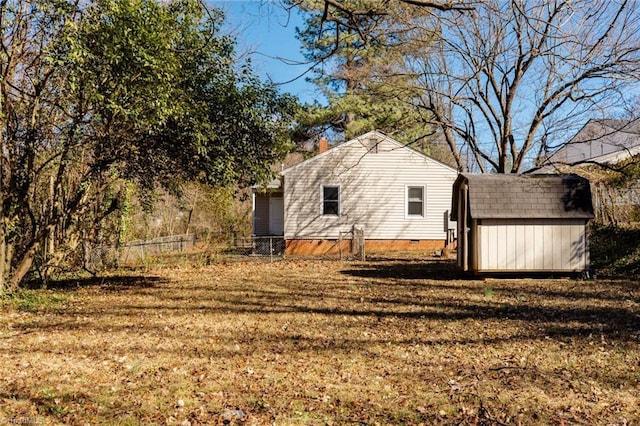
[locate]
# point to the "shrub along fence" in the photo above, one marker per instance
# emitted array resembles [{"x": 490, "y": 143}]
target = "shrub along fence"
[{"x": 615, "y": 250}]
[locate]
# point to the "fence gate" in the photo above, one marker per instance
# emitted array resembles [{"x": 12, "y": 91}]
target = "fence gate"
[{"x": 357, "y": 247}]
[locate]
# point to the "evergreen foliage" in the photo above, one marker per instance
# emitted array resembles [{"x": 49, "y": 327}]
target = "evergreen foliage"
[{"x": 364, "y": 67}]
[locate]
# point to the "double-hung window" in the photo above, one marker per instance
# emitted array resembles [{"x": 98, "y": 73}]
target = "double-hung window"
[
  {"x": 415, "y": 201},
  {"x": 331, "y": 200}
]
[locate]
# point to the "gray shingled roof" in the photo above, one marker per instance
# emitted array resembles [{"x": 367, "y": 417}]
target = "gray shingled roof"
[{"x": 536, "y": 196}]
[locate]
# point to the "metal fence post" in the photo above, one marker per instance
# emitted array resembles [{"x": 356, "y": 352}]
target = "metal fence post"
[{"x": 271, "y": 249}]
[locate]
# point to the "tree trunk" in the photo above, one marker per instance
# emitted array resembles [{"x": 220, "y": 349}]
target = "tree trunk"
[
  {"x": 3, "y": 256},
  {"x": 24, "y": 266}
]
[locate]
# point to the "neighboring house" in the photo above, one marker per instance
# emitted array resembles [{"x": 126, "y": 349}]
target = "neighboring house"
[
  {"x": 399, "y": 196},
  {"x": 599, "y": 141},
  {"x": 522, "y": 223},
  {"x": 605, "y": 143}
]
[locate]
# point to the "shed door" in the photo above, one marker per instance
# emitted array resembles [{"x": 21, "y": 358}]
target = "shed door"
[{"x": 276, "y": 216}]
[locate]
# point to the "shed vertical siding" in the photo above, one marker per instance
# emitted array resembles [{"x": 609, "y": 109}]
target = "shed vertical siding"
[
  {"x": 532, "y": 245},
  {"x": 372, "y": 193}
]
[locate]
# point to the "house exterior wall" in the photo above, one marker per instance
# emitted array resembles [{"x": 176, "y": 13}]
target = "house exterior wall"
[
  {"x": 605, "y": 141},
  {"x": 373, "y": 181},
  {"x": 585, "y": 150},
  {"x": 533, "y": 245}
]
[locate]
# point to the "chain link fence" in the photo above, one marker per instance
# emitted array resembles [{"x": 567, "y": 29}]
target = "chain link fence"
[
  {"x": 272, "y": 246},
  {"x": 138, "y": 251}
]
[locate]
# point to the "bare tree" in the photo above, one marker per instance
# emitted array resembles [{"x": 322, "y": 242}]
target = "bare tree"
[
  {"x": 29, "y": 83},
  {"x": 508, "y": 80}
]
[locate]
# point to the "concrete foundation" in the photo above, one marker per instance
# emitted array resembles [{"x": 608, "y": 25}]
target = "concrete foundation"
[{"x": 335, "y": 247}]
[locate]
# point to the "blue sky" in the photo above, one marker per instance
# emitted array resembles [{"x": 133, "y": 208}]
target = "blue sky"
[{"x": 267, "y": 32}]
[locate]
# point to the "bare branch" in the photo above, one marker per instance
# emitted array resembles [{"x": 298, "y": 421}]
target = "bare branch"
[
  {"x": 510, "y": 70},
  {"x": 442, "y": 6}
]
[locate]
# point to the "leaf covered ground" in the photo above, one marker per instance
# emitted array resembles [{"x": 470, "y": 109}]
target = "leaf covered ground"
[{"x": 386, "y": 341}]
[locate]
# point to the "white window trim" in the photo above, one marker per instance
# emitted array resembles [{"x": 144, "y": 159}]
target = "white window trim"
[
  {"x": 406, "y": 202},
  {"x": 322, "y": 186}
]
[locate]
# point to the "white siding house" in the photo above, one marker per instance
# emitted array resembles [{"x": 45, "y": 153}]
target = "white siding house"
[
  {"x": 398, "y": 195},
  {"x": 522, "y": 223},
  {"x": 599, "y": 141}
]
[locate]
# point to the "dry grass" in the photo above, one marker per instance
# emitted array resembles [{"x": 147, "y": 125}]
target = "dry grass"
[{"x": 322, "y": 342}]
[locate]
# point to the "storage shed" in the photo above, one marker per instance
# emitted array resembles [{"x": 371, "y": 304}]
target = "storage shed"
[{"x": 522, "y": 223}]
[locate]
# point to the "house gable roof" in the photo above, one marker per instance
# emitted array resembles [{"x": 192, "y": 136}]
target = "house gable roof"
[
  {"x": 359, "y": 140},
  {"x": 535, "y": 196}
]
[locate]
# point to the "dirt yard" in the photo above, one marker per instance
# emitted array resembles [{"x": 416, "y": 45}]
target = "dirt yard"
[{"x": 321, "y": 342}]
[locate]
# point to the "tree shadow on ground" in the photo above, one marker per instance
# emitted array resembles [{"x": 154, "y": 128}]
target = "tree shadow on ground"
[
  {"x": 111, "y": 283},
  {"x": 383, "y": 268},
  {"x": 436, "y": 270}
]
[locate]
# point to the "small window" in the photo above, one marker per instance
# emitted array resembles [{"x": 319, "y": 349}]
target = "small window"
[
  {"x": 415, "y": 201},
  {"x": 331, "y": 200}
]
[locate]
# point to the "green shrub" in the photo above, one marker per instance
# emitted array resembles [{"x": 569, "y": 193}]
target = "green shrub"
[
  {"x": 32, "y": 300},
  {"x": 615, "y": 250}
]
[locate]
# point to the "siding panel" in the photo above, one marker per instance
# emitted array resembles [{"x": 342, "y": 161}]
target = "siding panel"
[
  {"x": 548, "y": 247},
  {"x": 509, "y": 246},
  {"x": 491, "y": 248},
  {"x": 521, "y": 249},
  {"x": 578, "y": 249},
  {"x": 532, "y": 245},
  {"x": 530, "y": 255}
]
